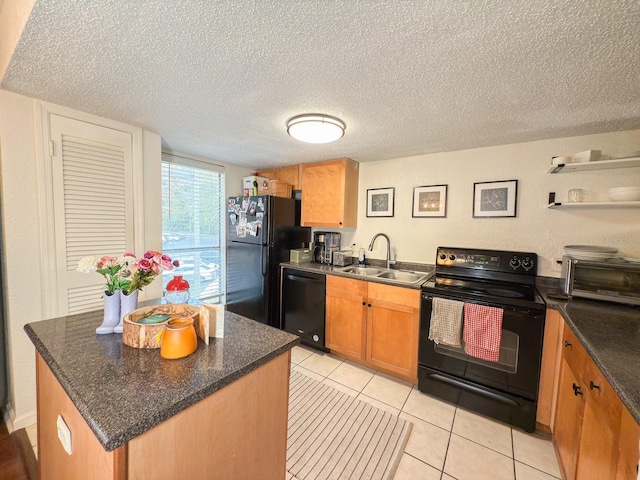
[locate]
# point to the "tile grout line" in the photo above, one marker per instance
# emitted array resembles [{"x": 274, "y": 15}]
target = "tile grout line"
[
  {"x": 513, "y": 452},
  {"x": 446, "y": 453}
]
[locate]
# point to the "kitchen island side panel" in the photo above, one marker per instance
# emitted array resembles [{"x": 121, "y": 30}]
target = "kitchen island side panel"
[
  {"x": 240, "y": 431},
  {"x": 88, "y": 459}
]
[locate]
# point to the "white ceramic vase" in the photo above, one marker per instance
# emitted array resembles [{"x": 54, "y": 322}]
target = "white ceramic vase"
[
  {"x": 111, "y": 313},
  {"x": 128, "y": 303}
]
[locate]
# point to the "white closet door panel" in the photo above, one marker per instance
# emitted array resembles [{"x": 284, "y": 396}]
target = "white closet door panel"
[{"x": 92, "y": 172}]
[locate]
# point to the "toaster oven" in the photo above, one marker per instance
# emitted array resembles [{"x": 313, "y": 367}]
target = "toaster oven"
[{"x": 612, "y": 280}]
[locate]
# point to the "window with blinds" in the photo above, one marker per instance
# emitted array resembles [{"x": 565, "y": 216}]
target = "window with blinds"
[{"x": 193, "y": 226}]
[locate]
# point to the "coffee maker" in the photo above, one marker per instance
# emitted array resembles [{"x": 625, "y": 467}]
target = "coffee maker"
[{"x": 324, "y": 244}]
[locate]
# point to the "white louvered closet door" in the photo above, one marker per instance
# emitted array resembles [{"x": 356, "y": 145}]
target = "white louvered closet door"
[{"x": 92, "y": 189}]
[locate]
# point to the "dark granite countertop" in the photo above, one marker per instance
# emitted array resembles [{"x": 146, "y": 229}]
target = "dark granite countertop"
[
  {"x": 610, "y": 333},
  {"x": 122, "y": 391},
  {"x": 429, "y": 270}
]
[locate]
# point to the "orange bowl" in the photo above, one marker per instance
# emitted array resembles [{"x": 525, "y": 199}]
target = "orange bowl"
[{"x": 179, "y": 339}]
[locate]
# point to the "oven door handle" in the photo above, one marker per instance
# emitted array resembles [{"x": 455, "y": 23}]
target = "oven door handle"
[
  {"x": 471, "y": 388},
  {"x": 522, "y": 310}
]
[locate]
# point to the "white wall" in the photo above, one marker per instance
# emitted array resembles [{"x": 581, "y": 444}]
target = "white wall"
[
  {"x": 23, "y": 259},
  {"x": 536, "y": 228},
  {"x": 22, "y": 273},
  {"x": 22, "y": 277}
]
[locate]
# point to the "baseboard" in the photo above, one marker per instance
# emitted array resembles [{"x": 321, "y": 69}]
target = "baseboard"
[{"x": 23, "y": 421}]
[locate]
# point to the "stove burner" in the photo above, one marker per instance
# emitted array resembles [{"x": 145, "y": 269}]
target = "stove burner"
[{"x": 501, "y": 292}]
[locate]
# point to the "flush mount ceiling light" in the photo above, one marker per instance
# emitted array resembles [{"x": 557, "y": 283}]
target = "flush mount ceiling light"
[{"x": 315, "y": 128}]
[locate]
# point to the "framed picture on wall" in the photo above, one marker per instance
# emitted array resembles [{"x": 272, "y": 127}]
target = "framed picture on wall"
[
  {"x": 495, "y": 199},
  {"x": 430, "y": 201},
  {"x": 380, "y": 202}
]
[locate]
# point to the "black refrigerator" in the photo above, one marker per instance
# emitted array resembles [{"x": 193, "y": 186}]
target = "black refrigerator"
[{"x": 261, "y": 231}]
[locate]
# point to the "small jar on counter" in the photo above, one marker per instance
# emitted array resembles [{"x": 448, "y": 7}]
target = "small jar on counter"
[{"x": 177, "y": 290}]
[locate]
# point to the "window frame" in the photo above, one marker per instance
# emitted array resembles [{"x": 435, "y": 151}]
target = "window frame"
[{"x": 176, "y": 158}]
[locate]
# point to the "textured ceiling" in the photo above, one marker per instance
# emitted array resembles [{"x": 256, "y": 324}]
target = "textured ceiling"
[{"x": 221, "y": 78}]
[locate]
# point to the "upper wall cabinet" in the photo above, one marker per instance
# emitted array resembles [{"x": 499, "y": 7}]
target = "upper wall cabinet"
[
  {"x": 290, "y": 175},
  {"x": 329, "y": 193}
]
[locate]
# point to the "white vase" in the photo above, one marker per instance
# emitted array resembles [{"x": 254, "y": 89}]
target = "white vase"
[
  {"x": 111, "y": 313},
  {"x": 128, "y": 303}
]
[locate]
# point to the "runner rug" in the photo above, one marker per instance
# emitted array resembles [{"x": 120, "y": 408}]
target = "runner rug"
[{"x": 334, "y": 436}]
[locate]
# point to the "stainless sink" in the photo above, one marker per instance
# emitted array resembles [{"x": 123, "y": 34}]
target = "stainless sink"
[
  {"x": 401, "y": 276},
  {"x": 367, "y": 271}
]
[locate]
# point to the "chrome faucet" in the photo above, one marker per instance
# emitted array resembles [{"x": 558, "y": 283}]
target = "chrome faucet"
[{"x": 388, "y": 247}]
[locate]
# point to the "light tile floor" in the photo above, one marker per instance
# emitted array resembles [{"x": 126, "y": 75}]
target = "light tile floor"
[
  {"x": 446, "y": 443},
  {"x": 32, "y": 433}
]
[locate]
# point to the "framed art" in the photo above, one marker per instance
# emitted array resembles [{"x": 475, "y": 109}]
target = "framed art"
[
  {"x": 430, "y": 201},
  {"x": 495, "y": 199},
  {"x": 380, "y": 202}
]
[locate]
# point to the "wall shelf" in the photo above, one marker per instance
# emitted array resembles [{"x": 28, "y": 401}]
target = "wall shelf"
[
  {"x": 597, "y": 165},
  {"x": 594, "y": 205}
]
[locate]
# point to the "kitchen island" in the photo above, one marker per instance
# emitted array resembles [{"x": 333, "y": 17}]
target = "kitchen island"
[{"x": 219, "y": 413}]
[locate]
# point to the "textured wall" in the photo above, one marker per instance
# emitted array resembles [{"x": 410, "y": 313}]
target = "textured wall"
[{"x": 536, "y": 228}]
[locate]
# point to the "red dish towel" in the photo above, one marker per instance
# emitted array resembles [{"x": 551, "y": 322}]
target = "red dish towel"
[{"x": 482, "y": 331}]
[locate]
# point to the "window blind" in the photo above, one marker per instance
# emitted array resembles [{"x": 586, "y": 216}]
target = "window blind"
[{"x": 192, "y": 224}]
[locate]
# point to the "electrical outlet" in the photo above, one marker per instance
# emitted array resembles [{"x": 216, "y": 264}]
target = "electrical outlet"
[
  {"x": 64, "y": 434},
  {"x": 556, "y": 265}
]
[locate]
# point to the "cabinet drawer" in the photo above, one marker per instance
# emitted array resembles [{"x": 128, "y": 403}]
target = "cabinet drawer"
[
  {"x": 573, "y": 352},
  {"x": 347, "y": 285}
]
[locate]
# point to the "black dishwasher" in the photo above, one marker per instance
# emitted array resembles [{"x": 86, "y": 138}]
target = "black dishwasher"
[{"x": 303, "y": 306}]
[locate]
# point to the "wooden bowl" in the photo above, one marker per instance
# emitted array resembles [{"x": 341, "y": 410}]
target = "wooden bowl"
[{"x": 138, "y": 335}]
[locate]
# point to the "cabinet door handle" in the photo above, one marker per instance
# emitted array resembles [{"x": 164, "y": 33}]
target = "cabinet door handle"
[
  {"x": 368, "y": 304},
  {"x": 593, "y": 385},
  {"x": 567, "y": 344},
  {"x": 576, "y": 390},
  {"x": 364, "y": 303}
]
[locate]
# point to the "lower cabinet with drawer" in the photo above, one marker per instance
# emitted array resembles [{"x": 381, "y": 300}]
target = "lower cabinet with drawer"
[
  {"x": 594, "y": 434},
  {"x": 374, "y": 324}
]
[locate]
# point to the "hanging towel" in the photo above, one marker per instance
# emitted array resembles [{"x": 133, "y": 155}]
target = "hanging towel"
[
  {"x": 446, "y": 322},
  {"x": 482, "y": 331}
]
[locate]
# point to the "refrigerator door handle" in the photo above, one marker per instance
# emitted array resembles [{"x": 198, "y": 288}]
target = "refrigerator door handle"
[
  {"x": 263, "y": 264},
  {"x": 263, "y": 261}
]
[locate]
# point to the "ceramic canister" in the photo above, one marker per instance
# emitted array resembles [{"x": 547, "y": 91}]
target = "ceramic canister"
[{"x": 178, "y": 339}]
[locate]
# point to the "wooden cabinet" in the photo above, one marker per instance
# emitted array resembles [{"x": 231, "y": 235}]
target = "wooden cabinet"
[
  {"x": 329, "y": 193},
  {"x": 346, "y": 316},
  {"x": 240, "y": 431},
  {"x": 290, "y": 175},
  {"x": 570, "y": 404},
  {"x": 549, "y": 370},
  {"x": 628, "y": 447},
  {"x": 598, "y": 451},
  {"x": 594, "y": 434},
  {"x": 393, "y": 321},
  {"x": 374, "y": 324}
]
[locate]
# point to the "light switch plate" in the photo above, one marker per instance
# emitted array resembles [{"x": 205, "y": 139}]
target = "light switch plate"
[{"x": 64, "y": 434}]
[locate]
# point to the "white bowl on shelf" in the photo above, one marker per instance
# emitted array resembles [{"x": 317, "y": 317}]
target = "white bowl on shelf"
[{"x": 624, "y": 194}]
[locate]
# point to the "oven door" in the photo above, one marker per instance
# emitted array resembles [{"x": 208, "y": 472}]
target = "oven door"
[{"x": 518, "y": 370}]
